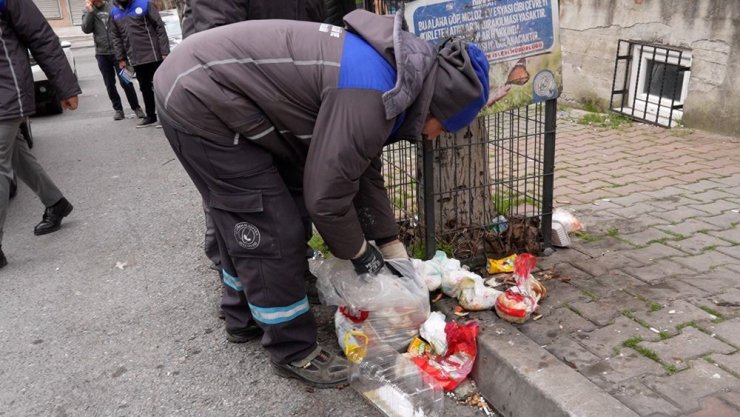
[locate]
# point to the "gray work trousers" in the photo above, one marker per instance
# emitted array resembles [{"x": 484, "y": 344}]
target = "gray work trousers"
[
  {"x": 260, "y": 236},
  {"x": 16, "y": 156}
]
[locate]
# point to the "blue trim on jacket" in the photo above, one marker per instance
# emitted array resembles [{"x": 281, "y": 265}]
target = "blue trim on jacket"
[
  {"x": 364, "y": 68},
  {"x": 136, "y": 8},
  {"x": 2, "y": 6}
]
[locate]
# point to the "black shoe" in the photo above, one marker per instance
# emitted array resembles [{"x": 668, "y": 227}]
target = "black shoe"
[
  {"x": 52, "y": 219},
  {"x": 118, "y": 115},
  {"x": 321, "y": 369},
  {"x": 139, "y": 113},
  {"x": 246, "y": 334},
  {"x": 312, "y": 292},
  {"x": 147, "y": 121},
  {"x": 3, "y": 259}
]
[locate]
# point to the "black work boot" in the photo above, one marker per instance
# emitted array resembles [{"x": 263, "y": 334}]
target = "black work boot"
[
  {"x": 3, "y": 259},
  {"x": 320, "y": 369},
  {"x": 244, "y": 335},
  {"x": 52, "y": 219}
]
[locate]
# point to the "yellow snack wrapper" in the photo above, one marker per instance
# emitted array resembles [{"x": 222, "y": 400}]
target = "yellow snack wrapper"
[
  {"x": 419, "y": 347},
  {"x": 496, "y": 266}
]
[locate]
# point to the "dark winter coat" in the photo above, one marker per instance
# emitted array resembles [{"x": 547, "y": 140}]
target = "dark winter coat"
[
  {"x": 139, "y": 33},
  {"x": 335, "y": 96},
  {"x": 98, "y": 22},
  {"x": 24, "y": 28},
  {"x": 200, "y": 15}
]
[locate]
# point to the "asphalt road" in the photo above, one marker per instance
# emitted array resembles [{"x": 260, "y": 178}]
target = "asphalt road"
[{"x": 115, "y": 314}]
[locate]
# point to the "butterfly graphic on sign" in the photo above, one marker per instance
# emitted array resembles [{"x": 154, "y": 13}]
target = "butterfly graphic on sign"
[{"x": 519, "y": 74}]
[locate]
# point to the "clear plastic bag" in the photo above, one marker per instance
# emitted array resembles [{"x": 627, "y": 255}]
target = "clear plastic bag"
[
  {"x": 567, "y": 219},
  {"x": 517, "y": 303},
  {"x": 393, "y": 307}
]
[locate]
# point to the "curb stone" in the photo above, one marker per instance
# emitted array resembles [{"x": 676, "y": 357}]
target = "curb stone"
[{"x": 519, "y": 378}]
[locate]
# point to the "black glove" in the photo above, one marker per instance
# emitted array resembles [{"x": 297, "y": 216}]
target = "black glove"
[{"x": 370, "y": 262}]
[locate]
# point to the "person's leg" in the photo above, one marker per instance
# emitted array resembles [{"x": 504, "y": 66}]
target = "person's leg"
[
  {"x": 132, "y": 98},
  {"x": 262, "y": 242},
  {"x": 145, "y": 75},
  {"x": 108, "y": 71},
  {"x": 210, "y": 245},
  {"x": 128, "y": 89},
  {"x": 257, "y": 220},
  {"x": 30, "y": 172},
  {"x": 293, "y": 178},
  {"x": 234, "y": 305},
  {"x": 8, "y": 137}
]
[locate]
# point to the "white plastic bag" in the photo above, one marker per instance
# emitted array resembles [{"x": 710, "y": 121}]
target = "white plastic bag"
[
  {"x": 474, "y": 295},
  {"x": 433, "y": 331},
  {"x": 567, "y": 219}
]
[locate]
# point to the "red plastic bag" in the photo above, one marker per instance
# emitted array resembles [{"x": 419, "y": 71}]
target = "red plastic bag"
[{"x": 453, "y": 367}]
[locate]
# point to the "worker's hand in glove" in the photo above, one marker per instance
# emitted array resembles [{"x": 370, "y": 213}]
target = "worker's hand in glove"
[
  {"x": 370, "y": 260},
  {"x": 394, "y": 250}
]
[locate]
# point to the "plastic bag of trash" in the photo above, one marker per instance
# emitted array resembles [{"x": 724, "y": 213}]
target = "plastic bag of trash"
[
  {"x": 431, "y": 272},
  {"x": 474, "y": 295},
  {"x": 517, "y": 303},
  {"x": 386, "y": 305},
  {"x": 434, "y": 271},
  {"x": 433, "y": 331},
  {"x": 567, "y": 219},
  {"x": 454, "y": 366}
]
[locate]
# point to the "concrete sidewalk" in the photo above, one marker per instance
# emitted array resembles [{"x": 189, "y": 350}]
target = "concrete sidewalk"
[{"x": 649, "y": 323}]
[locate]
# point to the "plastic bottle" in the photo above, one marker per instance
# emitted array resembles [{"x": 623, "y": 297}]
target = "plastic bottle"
[{"x": 395, "y": 385}]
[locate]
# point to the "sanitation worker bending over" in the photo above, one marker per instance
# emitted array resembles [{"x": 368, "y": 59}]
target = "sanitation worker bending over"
[{"x": 237, "y": 100}]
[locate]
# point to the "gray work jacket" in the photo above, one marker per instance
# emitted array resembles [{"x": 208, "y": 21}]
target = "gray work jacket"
[
  {"x": 24, "y": 28},
  {"x": 317, "y": 86},
  {"x": 98, "y": 22}
]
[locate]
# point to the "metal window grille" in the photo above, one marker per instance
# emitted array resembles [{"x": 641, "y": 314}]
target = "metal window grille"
[{"x": 650, "y": 82}]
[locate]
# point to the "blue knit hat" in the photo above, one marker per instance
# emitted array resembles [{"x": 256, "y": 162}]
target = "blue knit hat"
[{"x": 461, "y": 87}]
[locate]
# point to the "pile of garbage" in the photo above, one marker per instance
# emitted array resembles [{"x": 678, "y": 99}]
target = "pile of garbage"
[
  {"x": 403, "y": 356},
  {"x": 515, "y": 304}
]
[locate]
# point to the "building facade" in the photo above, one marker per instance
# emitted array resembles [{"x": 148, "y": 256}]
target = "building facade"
[
  {"x": 688, "y": 51},
  {"x": 62, "y": 13}
]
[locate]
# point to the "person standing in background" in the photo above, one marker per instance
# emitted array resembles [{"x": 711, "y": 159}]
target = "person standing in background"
[
  {"x": 200, "y": 15},
  {"x": 23, "y": 28},
  {"x": 96, "y": 19},
  {"x": 139, "y": 36}
]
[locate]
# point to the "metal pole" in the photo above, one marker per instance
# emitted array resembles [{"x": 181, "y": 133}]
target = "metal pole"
[
  {"x": 427, "y": 149},
  {"x": 548, "y": 181}
]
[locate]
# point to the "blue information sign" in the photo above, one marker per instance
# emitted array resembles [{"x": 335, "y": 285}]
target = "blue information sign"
[
  {"x": 520, "y": 38},
  {"x": 504, "y": 29}
]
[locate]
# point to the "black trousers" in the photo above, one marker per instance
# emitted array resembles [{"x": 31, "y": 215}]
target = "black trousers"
[
  {"x": 145, "y": 75},
  {"x": 108, "y": 66},
  {"x": 260, "y": 236}
]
